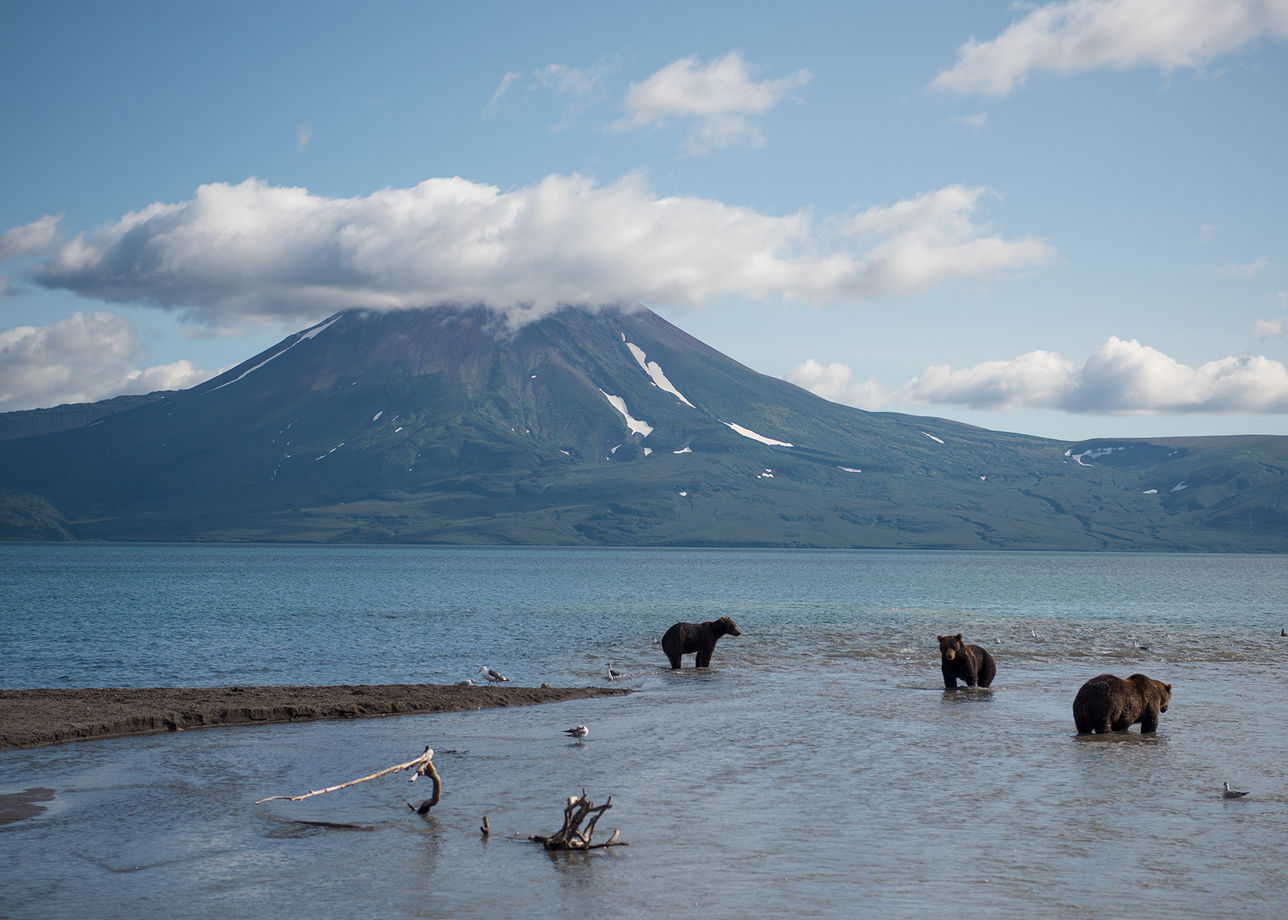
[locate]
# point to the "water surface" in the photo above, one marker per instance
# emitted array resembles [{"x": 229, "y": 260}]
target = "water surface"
[{"x": 819, "y": 768}]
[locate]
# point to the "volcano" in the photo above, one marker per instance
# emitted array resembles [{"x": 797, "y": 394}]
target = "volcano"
[{"x": 595, "y": 427}]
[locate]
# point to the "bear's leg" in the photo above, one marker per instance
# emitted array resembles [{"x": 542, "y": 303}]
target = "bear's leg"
[
  {"x": 675, "y": 661},
  {"x": 704, "y": 659},
  {"x": 950, "y": 679},
  {"x": 1149, "y": 721},
  {"x": 987, "y": 671}
]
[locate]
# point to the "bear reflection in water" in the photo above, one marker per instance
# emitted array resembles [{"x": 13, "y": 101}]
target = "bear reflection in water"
[{"x": 1108, "y": 703}]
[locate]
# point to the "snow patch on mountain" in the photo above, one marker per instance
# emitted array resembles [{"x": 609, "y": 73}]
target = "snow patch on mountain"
[
  {"x": 641, "y": 428},
  {"x": 329, "y": 452},
  {"x": 654, "y": 370},
  {"x": 304, "y": 337},
  {"x": 1091, "y": 454},
  {"x": 933, "y": 438},
  {"x": 748, "y": 433}
]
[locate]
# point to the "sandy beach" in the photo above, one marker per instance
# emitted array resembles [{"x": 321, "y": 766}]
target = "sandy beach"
[{"x": 29, "y": 718}]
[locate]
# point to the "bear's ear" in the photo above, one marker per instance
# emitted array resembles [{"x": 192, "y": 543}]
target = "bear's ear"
[
  {"x": 959, "y": 637},
  {"x": 1167, "y": 687}
]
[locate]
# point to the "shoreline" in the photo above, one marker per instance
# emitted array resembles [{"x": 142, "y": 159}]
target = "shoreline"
[{"x": 37, "y": 717}]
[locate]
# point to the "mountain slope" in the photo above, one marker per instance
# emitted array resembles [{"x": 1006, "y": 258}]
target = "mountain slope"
[{"x": 602, "y": 427}]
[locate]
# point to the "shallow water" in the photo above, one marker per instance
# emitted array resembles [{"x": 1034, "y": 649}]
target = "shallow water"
[{"x": 819, "y": 768}]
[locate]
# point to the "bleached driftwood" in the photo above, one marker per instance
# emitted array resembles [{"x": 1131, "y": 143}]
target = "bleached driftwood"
[
  {"x": 424, "y": 766},
  {"x": 571, "y": 836}
]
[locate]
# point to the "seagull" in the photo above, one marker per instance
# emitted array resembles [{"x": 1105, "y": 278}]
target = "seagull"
[
  {"x": 1229, "y": 793},
  {"x": 465, "y": 683},
  {"x": 613, "y": 675},
  {"x": 492, "y": 676},
  {"x": 578, "y": 732}
]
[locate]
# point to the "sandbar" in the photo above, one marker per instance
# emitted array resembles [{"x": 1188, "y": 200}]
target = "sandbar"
[{"x": 30, "y": 718}]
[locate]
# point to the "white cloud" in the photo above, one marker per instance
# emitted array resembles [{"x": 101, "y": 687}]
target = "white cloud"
[
  {"x": 29, "y": 239},
  {"x": 1207, "y": 232},
  {"x": 303, "y": 135},
  {"x": 1271, "y": 328},
  {"x": 720, "y": 98},
  {"x": 84, "y": 358},
  {"x": 976, "y": 122},
  {"x": 924, "y": 241},
  {"x": 1232, "y": 270},
  {"x": 580, "y": 86},
  {"x": 255, "y": 250},
  {"x": 501, "y": 91},
  {"x": 1121, "y": 377},
  {"x": 1081, "y": 35},
  {"x": 833, "y": 382}
]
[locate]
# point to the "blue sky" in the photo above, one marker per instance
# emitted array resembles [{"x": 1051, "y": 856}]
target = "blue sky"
[{"x": 1067, "y": 219}]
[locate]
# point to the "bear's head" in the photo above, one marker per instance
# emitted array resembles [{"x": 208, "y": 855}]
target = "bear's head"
[
  {"x": 728, "y": 627},
  {"x": 1154, "y": 691},
  {"x": 951, "y": 646}
]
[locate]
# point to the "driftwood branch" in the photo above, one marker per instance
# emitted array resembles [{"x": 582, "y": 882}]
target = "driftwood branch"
[
  {"x": 424, "y": 766},
  {"x": 571, "y": 836}
]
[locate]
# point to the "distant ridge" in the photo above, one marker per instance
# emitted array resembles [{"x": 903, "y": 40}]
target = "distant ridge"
[{"x": 595, "y": 427}]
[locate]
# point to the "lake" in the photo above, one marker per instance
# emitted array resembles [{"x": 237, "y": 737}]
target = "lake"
[{"x": 819, "y": 768}]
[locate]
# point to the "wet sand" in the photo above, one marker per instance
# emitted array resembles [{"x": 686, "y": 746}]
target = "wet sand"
[{"x": 29, "y": 718}]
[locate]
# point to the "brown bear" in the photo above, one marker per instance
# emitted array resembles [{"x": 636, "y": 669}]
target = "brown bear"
[
  {"x": 969, "y": 662},
  {"x": 684, "y": 638},
  {"x": 1108, "y": 703}
]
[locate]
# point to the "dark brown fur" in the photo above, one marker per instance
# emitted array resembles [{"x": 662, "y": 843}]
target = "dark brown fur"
[
  {"x": 968, "y": 662},
  {"x": 685, "y": 638},
  {"x": 1108, "y": 703}
]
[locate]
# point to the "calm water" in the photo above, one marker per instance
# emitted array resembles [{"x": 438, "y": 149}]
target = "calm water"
[{"x": 819, "y": 768}]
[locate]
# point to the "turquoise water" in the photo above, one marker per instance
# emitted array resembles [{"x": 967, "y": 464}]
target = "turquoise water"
[{"x": 818, "y": 769}]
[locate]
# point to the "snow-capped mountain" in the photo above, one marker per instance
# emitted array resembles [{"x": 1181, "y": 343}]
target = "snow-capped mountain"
[{"x": 595, "y": 426}]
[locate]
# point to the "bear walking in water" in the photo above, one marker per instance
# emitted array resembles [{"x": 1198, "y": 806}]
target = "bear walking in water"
[
  {"x": 968, "y": 662},
  {"x": 1108, "y": 703},
  {"x": 686, "y": 638}
]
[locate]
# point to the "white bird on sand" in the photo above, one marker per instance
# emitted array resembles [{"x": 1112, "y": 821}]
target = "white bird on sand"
[
  {"x": 613, "y": 675},
  {"x": 491, "y": 675},
  {"x": 1229, "y": 793},
  {"x": 578, "y": 732},
  {"x": 465, "y": 683}
]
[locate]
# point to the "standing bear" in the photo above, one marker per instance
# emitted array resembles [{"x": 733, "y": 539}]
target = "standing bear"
[
  {"x": 1108, "y": 703},
  {"x": 969, "y": 662},
  {"x": 685, "y": 638}
]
